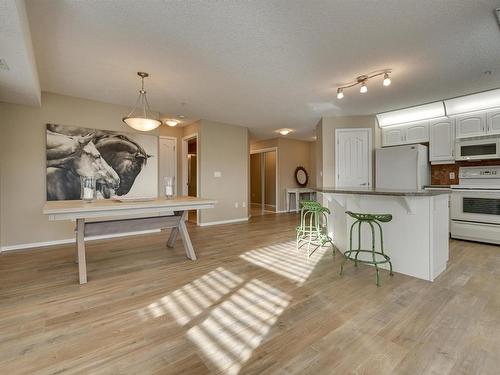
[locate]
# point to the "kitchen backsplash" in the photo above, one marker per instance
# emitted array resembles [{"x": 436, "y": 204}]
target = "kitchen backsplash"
[{"x": 440, "y": 173}]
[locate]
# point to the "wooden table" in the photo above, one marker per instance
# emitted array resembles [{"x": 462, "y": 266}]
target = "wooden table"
[{"x": 156, "y": 214}]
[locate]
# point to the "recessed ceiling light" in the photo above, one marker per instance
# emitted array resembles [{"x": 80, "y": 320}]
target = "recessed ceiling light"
[
  {"x": 172, "y": 122},
  {"x": 284, "y": 131}
]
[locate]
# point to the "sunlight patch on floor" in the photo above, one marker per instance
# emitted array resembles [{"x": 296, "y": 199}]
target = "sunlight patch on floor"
[
  {"x": 192, "y": 299},
  {"x": 228, "y": 336},
  {"x": 285, "y": 260}
]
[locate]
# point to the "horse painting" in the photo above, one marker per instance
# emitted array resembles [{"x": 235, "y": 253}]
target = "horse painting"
[{"x": 118, "y": 162}]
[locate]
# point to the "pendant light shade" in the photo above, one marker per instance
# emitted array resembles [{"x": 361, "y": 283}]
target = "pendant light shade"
[{"x": 141, "y": 117}]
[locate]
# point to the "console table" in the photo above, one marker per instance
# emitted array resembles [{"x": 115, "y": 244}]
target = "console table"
[{"x": 297, "y": 192}]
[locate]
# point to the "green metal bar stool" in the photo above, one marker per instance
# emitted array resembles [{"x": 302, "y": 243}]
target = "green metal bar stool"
[
  {"x": 314, "y": 227},
  {"x": 352, "y": 254},
  {"x": 305, "y": 205}
]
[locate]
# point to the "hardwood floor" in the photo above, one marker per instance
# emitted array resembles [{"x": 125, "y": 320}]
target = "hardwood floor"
[{"x": 250, "y": 305}]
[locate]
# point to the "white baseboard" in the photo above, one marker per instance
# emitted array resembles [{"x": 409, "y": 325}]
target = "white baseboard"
[
  {"x": 225, "y": 222},
  {"x": 72, "y": 240}
]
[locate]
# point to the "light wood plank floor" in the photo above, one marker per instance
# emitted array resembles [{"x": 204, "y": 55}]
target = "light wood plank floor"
[{"x": 250, "y": 305}]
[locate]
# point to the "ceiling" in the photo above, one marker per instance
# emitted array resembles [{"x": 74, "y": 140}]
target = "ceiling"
[
  {"x": 18, "y": 75},
  {"x": 266, "y": 64}
]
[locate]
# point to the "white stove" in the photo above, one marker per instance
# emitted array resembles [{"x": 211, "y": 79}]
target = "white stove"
[{"x": 475, "y": 205}]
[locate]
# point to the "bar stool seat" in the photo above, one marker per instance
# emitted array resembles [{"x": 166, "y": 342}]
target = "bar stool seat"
[{"x": 352, "y": 254}]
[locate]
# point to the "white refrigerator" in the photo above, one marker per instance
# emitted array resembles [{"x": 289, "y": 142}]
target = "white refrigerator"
[{"x": 402, "y": 167}]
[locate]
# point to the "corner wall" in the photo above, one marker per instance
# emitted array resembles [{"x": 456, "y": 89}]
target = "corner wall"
[{"x": 224, "y": 149}]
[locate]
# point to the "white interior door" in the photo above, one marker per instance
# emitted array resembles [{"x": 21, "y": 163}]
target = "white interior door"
[
  {"x": 168, "y": 162},
  {"x": 353, "y": 157}
]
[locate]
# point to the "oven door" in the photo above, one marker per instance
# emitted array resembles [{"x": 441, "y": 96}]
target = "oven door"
[
  {"x": 479, "y": 206},
  {"x": 477, "y": 149}
]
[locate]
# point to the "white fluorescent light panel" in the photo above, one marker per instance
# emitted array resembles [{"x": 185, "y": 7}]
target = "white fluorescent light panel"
[
  {"x": 449, "y": 107},
  {"x": 421, "y": 112},
  {"x": 474, "y": 102}
]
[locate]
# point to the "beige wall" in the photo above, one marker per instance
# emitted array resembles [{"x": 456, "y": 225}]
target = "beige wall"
[
  {"x": 22, "y": 155},
  {"x": 326, "y": 142},
  {"x": 224, "y": 148},
  {"x": 291, "y": 154},
  {"x": 22, "y": 163}
]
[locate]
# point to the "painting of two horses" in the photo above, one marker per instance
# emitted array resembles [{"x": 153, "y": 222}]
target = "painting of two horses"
[{"x": 123, "y": 163}]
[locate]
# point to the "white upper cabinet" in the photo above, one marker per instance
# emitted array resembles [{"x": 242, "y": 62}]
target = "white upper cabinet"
[
  {"x": 441, "y": 140},
  {"x": 493, "y": 121},
  {"x": 393, "y": 135},
  {"x": 470, "y": 125},
  {"x": 416, "y": 132}
]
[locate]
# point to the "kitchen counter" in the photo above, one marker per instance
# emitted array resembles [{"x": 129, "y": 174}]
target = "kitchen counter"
[
  {"x": 438, "y": 187},
  {"x": 417, "y": 237},
  {"x": 375, "y": 191}
]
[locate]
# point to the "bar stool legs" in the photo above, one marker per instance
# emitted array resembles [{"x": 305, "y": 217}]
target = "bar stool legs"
[
  {"x": 352, "y": 254},
  {"x": 313, "y": 228}
]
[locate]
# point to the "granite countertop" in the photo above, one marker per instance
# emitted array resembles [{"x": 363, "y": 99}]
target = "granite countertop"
[{"x": 375, "y": 191}]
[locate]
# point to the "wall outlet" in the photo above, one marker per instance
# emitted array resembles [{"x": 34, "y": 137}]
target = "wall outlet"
[
  {"x": 236, "y": 204},
  {"x": 244, "y": 204},
  {"x": 217, "y": 174},
  {"x": 452, "y": 175}
]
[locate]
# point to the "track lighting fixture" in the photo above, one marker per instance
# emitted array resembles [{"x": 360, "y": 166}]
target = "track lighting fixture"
[{"x": 362, "y": 80}]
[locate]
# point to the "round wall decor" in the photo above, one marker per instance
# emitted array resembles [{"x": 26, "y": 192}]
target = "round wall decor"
[{"x": 301, "y": 176}]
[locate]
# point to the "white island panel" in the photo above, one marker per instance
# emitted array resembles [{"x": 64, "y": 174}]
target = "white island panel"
[{"x": 416, "y": 239}]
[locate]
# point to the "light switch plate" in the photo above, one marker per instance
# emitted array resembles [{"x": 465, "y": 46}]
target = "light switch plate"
[
  {"x": 217, "y": 174},
  {"x": 452, "y": 175},
  {"x": 244, "y": 204}
]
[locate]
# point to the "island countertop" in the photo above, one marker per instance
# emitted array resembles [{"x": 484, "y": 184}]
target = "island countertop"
[{"x": 375, "y": 191}]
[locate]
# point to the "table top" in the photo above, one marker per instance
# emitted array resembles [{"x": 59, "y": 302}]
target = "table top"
[
  {"x": 72, "y": 209},
  {"x": 300, "y": 190},
  {"x": 375, "y": 191}
]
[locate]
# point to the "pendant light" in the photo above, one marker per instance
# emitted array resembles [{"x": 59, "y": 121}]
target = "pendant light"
[{"x": 141, "y": 117}]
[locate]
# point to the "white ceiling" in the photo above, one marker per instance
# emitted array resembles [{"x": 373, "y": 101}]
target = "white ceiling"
[
  {"x": 19, "y": 82},
  {"x": 266, "y": 64}
]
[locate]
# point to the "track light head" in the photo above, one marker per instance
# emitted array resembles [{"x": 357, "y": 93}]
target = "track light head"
[{"x": 387, "y": 80}]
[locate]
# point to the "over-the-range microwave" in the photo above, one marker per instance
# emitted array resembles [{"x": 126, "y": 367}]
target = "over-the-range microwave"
[{"x": 477, "y": 149}]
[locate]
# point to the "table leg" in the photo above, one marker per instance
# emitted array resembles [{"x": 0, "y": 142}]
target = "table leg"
[
  {"x": 188, "y": 246},
  {"x": 80, "y": 245},
  {"x": 173, "y": 237}
]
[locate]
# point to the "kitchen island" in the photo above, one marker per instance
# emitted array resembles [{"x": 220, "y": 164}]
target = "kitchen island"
[{"x": 417, "y": 237}]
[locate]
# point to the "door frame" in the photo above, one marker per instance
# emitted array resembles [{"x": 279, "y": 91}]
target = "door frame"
[
  {"x": 262, "y": 151},
  {"x": 185, "y": 163},
  {"x": 175, "y": 163},
  {"x": 370, "y": 152}
]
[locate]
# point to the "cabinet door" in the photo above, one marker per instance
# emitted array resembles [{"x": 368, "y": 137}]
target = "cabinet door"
[
  {"x": 393, "y": 135},
  {"x": 417, "y": 132},
  {"x": 470, "y": 125},
  {"x": 493, "y": 121},
  {"x": 441, "y": 140}
]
